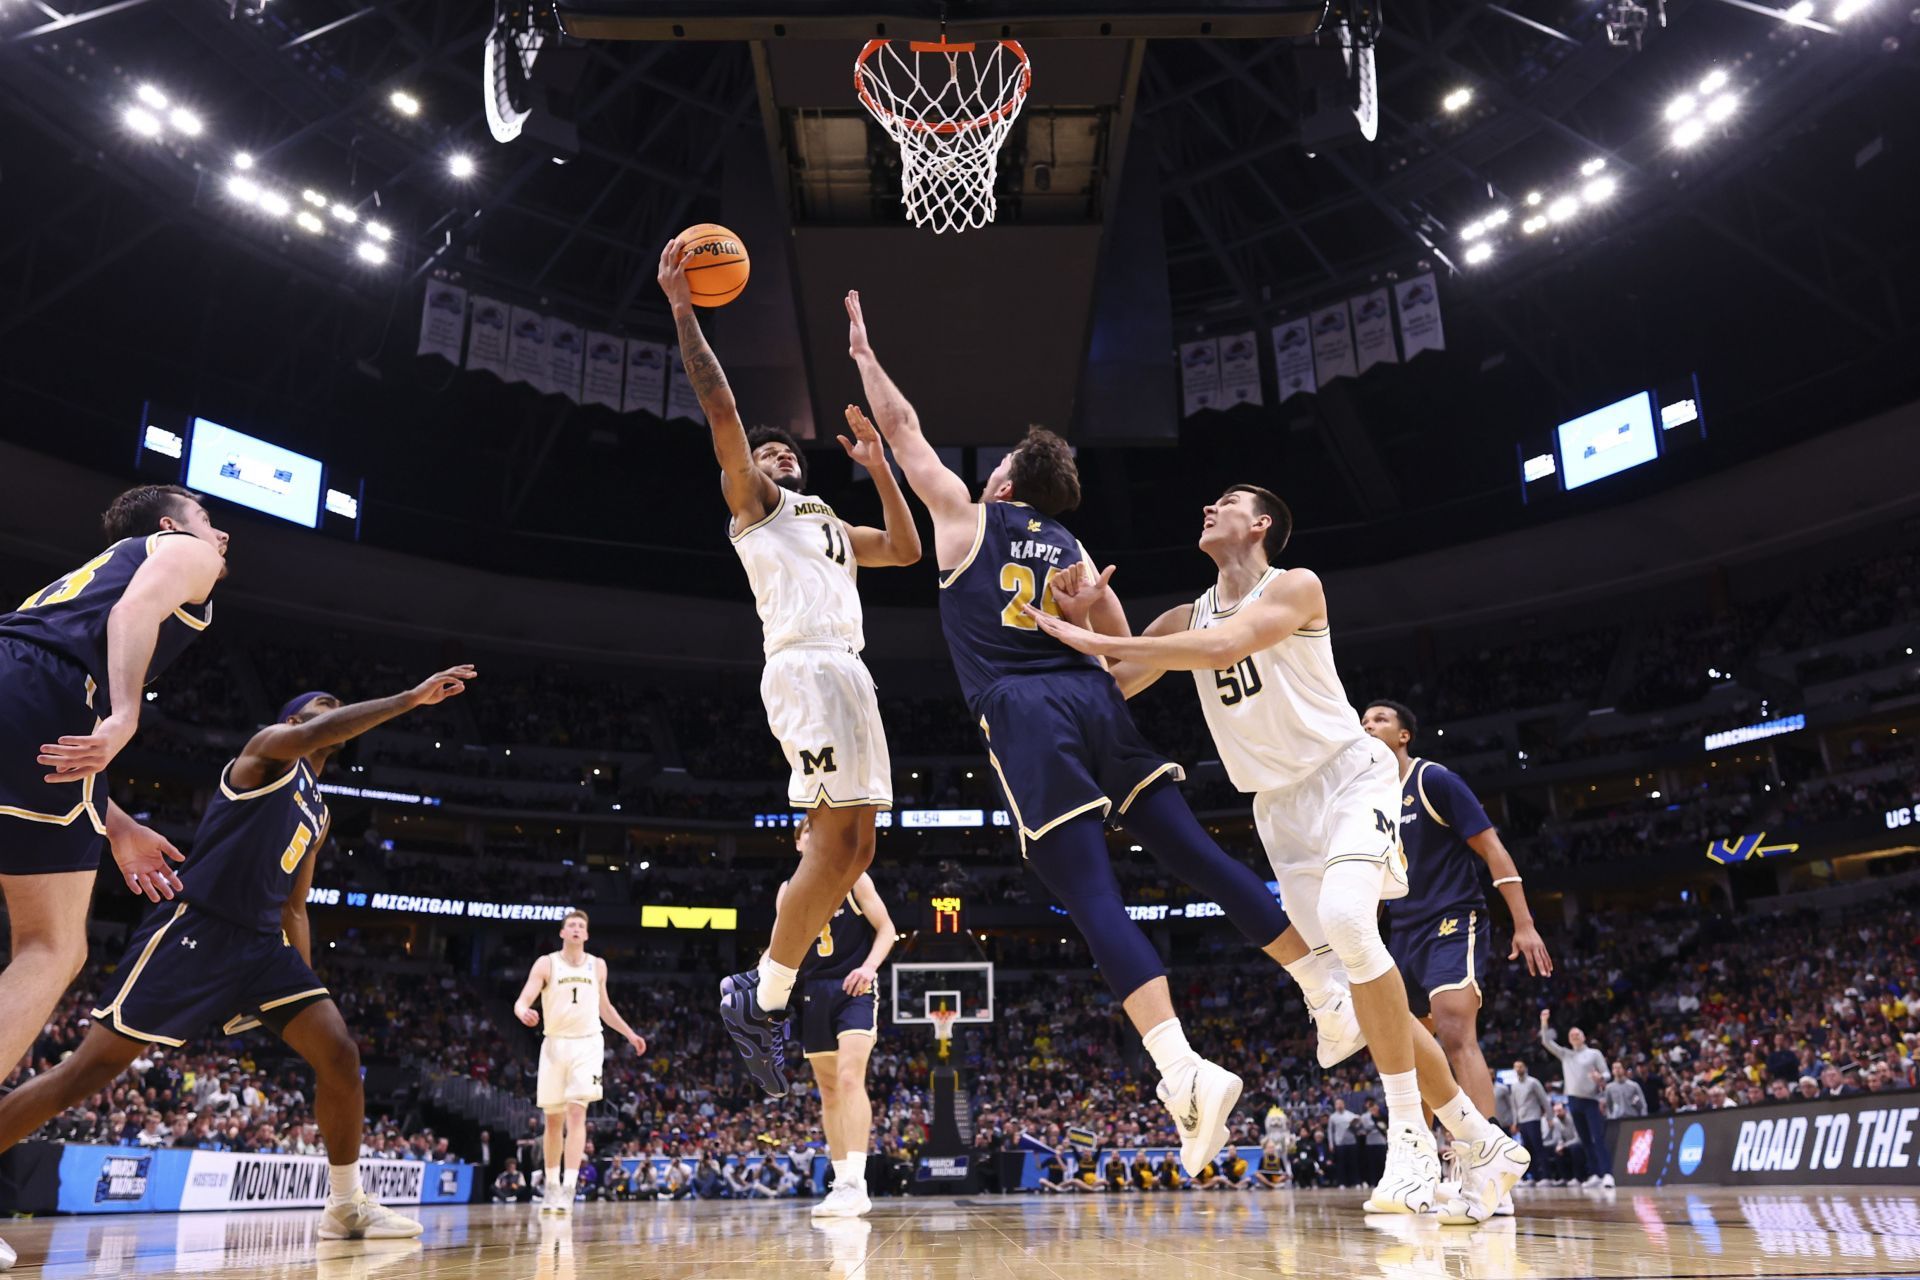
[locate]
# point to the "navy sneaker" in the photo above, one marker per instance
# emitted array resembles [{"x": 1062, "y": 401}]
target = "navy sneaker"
[{"x": 761, "y": 1037}]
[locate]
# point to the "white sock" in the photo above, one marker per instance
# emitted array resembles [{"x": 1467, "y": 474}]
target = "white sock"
[
  {"x": 776, "y": 984},
  {"x": 1314, "y": 973},
  {"x": 1168, "y": 1045},
  {"x": 343, "y": 1180},
  {"x": 571, "y": 1178},
  {"x": 1463, "y": 1120},
  {"x": 1403, "y": 1098},
  {"x": 856, "y": 1163}
]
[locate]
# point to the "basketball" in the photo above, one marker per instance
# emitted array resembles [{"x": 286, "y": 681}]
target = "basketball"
[{"x": 717, "y": 264}]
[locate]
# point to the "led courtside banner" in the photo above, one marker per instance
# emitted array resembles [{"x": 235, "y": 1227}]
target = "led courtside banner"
[{"x": 1868, "y": 1138}]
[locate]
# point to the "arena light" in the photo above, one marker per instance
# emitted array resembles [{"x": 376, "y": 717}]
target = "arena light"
[
  {"x": 185, "y": 122},
  {"x": 1599, "y": 190},
  {"x": 314, "y": 198},
  {"x": 371, "y": 253},
  {"x": 141, "y": 121},
  {"x": 307, "y": 222},
  {"x": 1721, "y": 109},
  {"x": 243, "y": 188},
  {"x": 274, "y": 204},
  {"x": 460, "y": 165},
  {"x": 1534, "y": 198},
  {"x": 1848, "y": 9},
  {"x": 1457, "y": 99},
  {"x": 1498, "y": 218},
  {"x": 1801, "y": 11},
  {"x": 1689, "y": 132},
  {"x": 1538, "y": 467},
  {"x": 343, "y": 504},
  {"x": 1533, "y": 224},
  {"x": 242, "y": 160},
  {"x": 1714, "y": 81},
  {"x": 1479, "y": 253},
  {"x": 1681, "y": 107},
  {"x": 378, "y": 231},
  {"x": 1473, "y": 231},
  {"x": 345, "y": 213},
  {"x": 151, "y": 96},
  {"x": 403, "y": 102},
  {"x": 1562, "y": 208},
  {"x": 1592, "y": 167}
]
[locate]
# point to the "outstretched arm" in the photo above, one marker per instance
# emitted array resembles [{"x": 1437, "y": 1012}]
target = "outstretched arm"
[
  {"x": 749, "y": 494},
  {"x": 611, "y": 1016},
  {"x": 266, "y": 756},
  {"x": 899, "y": 542},
  {"x": 1294, "y": 600},
  {"x": 944, "y": 492}
]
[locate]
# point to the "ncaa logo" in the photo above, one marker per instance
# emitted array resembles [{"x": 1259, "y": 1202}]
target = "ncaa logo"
[{"x": 1693, "y": 1146}]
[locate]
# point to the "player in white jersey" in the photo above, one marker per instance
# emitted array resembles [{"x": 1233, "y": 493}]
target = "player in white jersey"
[
  {"x": 1326, "y": 805},
  {"x": 801, "y": 560},
  {"x": 572, "y": 988}
]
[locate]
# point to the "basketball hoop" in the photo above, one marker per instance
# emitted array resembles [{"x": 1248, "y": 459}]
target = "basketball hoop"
[
  {"x": 949, "y": 107},
  {"x": 943, "y": 1022}
]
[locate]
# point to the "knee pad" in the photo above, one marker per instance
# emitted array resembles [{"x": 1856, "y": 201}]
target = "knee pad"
[{"x": 1350, "y": 916}]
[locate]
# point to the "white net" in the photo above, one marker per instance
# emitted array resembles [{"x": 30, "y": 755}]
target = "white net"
[{"x": 950, "y": 107}]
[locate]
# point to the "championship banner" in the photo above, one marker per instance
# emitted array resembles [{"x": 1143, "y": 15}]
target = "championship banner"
[
  {"x": 604, "y": 371},
  {"x": 527, "y": 348},
  {"x": 1199, "y": 376},
  {"x": 1333, "y": 344},
  {"x": 1293, "y": 358},
  {"x": 564, "y": 358},
  {"x": 443, "y": 321},
  {"x": 1373, "y": 329},
  {"x": 1866, "y": 1138},
  {"x": 646, "y": 378},
  {"x": 681, "y": 401},
  {"x": 1420, "y": 328},
  {"x": 487, "y": 336},
  {"x": 1240, "y": 369}
]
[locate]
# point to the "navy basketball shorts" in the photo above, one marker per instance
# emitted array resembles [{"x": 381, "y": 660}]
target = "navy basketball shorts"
[
  {"x": 186, "y": 971},
  {"x": 1064, "y": 744},
  {"x": 1447, "y": 952},
  {"x": 44, "y": 826},
  {"x": 827, "y": 1013}
]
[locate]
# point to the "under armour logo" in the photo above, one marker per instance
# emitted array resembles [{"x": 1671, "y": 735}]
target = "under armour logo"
[
  {"x": 188, "y": 943},
  {"x": 821, "y": 761},
  {"x": 1449, "y": 926}
]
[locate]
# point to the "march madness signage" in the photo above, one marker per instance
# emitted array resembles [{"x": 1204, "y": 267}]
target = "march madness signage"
[{"x": 1870, "y": 1138}]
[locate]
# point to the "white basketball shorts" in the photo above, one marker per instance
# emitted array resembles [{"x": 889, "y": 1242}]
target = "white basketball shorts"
[
  {"x": 570, "y": 1068},
  {"x": 1345, "y": 811},
  {"x": 823, "y": 708}
]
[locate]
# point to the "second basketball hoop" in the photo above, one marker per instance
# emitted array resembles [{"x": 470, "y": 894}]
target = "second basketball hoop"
[{"x": 949, "y": 107}]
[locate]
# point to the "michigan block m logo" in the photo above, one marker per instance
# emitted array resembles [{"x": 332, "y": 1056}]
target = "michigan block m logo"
[{"x": 821, "y": 761}]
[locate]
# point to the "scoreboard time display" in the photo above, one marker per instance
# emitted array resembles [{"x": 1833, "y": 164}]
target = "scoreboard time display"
[{"x": 946, "y": 914}]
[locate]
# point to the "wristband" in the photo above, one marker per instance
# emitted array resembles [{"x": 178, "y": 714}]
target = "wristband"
[{"x": 1506, "y": 880}]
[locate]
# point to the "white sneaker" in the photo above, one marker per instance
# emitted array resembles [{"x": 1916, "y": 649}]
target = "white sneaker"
[
  {"x": 1488, "y": 1170},
  {"x": 364, "y": 1218},
  {"x": 1200, "y": 1100},
  {"x": 846, "y": 1200},
  {"x": 1412, "y": 1176},
  {"x": 7, "y": 1256},
  {"x": 563, "y": 1201},
  {"x": 1337, "y": 1029},
  {"x": 1505, "y": 1208},
  {"x": 1593, "y": 1180},
  {"x": 1606, "y": 1182}
]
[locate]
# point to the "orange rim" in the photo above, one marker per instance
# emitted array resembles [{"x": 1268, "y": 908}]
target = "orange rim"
[{"x": 1023, "y": 82}]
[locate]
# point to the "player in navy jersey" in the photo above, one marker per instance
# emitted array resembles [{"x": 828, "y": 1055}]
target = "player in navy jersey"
[
  {"x": 1060, "y": 738},
  {"x": 235, "y": 953},
  {"x": 839, "y": 1023},
  {"x": 74, "y": 658},
  {"x": 1440, "y": 930}
]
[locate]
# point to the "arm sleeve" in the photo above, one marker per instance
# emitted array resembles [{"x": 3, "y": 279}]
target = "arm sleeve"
[{"x": 1455, "y": 802}]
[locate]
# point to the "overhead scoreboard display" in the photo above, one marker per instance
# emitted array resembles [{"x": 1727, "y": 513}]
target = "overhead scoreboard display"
[
  {"x": 229, "y": 465},
  {"x": 1618, "y": 437}
]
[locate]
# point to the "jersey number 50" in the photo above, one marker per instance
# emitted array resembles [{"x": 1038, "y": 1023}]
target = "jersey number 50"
[{"x": 1238, "y": 682}]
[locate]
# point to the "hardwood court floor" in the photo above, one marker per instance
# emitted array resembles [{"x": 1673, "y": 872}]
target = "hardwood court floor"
[{"x": 1559, "y": 1234}]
